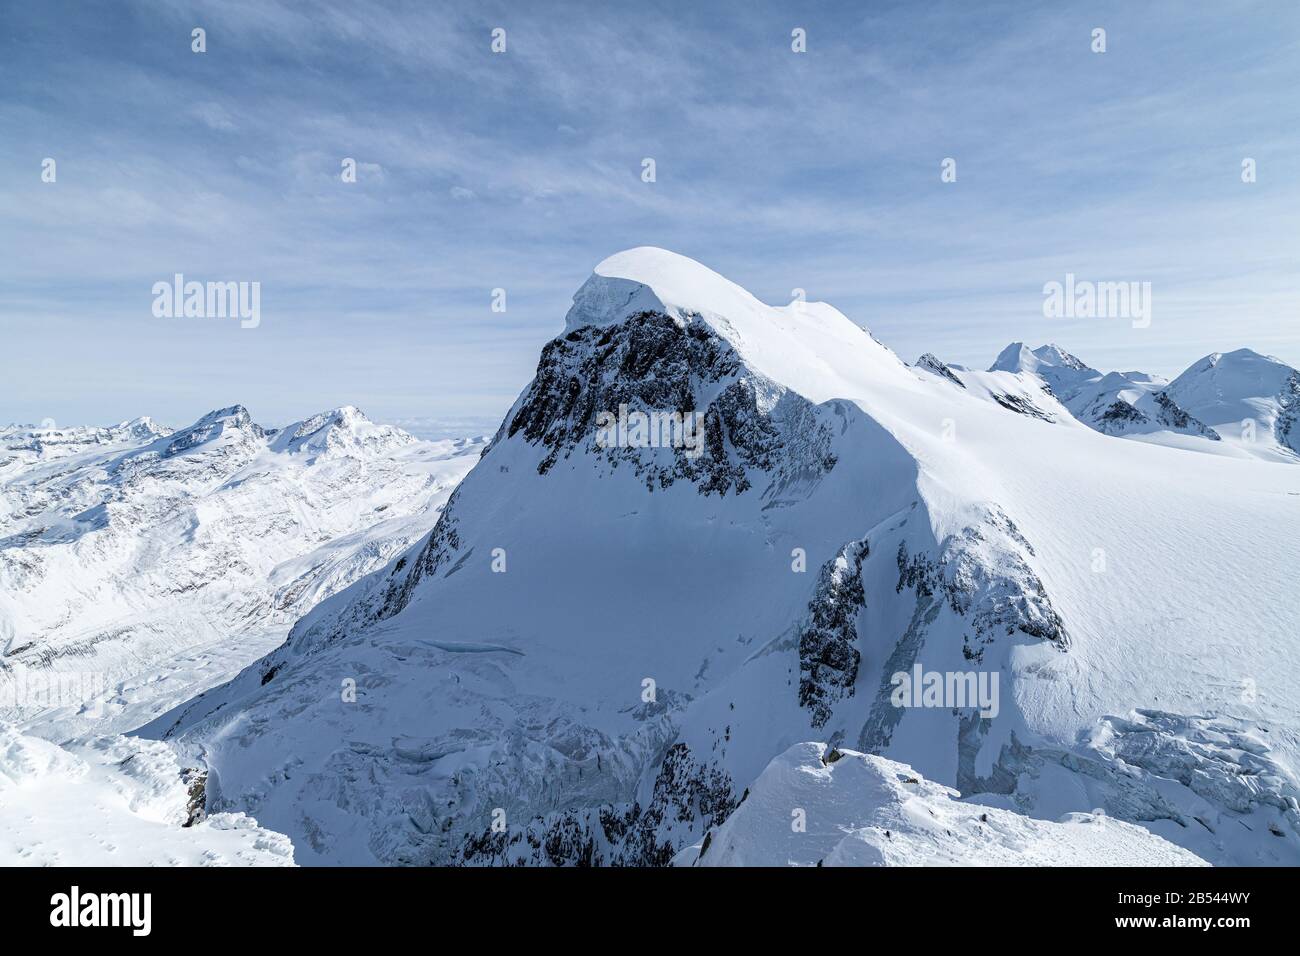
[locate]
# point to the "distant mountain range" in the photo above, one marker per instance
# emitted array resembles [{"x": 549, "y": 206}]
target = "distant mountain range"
[
  {"x": 135, "y": 547},
  {"x": 1248, "y": 401}
]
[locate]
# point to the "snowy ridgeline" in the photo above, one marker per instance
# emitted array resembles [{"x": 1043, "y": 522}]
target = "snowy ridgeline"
[
  {"x": 621, "y": 653},
  {"x": 814, "y": 807},
  {"x": 1240, "y": 404},
  {"x": 135, "y": 558}
]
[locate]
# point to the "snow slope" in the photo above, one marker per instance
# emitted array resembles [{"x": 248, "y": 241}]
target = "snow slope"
[
  {"x": 814, "y": 807},
  {"x": 1251, "y": 400},
  {"x": 1017, "y": 391},
  {"x": 603, "y": 646},
  {"x": 115, "y": 801},
  {"x": 137, "y": 562}
]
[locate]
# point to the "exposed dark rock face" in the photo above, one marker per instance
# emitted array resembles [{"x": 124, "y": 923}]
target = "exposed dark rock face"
[
  {"x": 443, "y": 542},
  {"x": 1022, "y": 406},
  {"x": 1120, "y": 416},
  {"x": 650, "y": 363},
  {"x": 828, "y": 657},
  {"x": 1173, "y": 416},
  {"x": 196, "y": 782},
  {"x": 688, "y": 799},
  {"x": 996, "y": 596},
  {"x": 932, "y": 364},
  {"x": 1287, "y": 426}
]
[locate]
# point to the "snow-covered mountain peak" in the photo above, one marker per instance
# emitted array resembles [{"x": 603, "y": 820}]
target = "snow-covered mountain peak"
[
  {"x": 1243, "y": 370},
  {"x": 347, "y": 417},
  {"x": 235, "y": 416},
  {"x": 343, "y": 430},
  {"x": 832, "y": 520},
  {"x": 52, "y": 441},
  {"x": 143, "y": 427},
  {"x": 932, "y": 363},
  {"x": 1252, "y": 400},
  {"x": 232, "y": 424},
  {"x": 649, "y": 279},
  {"x": 809, "y": 523},
  {"x": 1053, "y": 354},
  {"x": 1114, "y": 403},
  {"x": 1018, "y": 357},
  {"x": 808, "y": 347}
]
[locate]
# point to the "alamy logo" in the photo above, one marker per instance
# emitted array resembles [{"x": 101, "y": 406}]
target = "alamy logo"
[
  {"x": 208, "y": 300},
  {"x": 1083, "y": 299},
  {"x": 652, "y": 430},
  {"x": 31, "y": 688},
  {"x": 103, "y": 909},
  {"x": 949, "y": 689}
]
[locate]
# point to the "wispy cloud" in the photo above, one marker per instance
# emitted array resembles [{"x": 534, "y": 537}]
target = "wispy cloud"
[{"x": 521, "y": 170}]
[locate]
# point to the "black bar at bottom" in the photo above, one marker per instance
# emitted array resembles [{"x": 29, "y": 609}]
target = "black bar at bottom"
[{"x": 334, "y": 906}]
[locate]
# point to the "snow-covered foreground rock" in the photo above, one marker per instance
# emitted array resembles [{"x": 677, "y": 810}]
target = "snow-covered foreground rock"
[
  {"x": 817, "y": 807},
  {"x": 140, "y": 565},
  {"x": 606, "y": 639},
  {"x": 116, "y": 801}
]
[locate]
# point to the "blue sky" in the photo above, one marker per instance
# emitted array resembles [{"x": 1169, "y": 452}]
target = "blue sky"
[{"x": 522, "y": 171}]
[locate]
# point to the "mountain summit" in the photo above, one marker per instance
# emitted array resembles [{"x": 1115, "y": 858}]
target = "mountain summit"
[
  {"x": 1252, "y": 400},
  {"x": 602, "y": 644}
]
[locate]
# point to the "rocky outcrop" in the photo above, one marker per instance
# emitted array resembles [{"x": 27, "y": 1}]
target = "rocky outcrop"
[
  {"x": 1119, "y": 416},
  {"x": 688, "y": 798},
  {"x": 983, "y": 576},
  {"x": 828, "y": 655},
  {"x": 1172, "y": 416},
  {"x": 654, "y": 363},
  {"x": 932, "y": 364},
  {"x": 1021, "y": 406},
  {"x": 1287, "y": 425}
]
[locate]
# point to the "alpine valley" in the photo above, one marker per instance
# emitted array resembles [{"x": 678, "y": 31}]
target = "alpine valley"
[{"x": 313, "y": 650}]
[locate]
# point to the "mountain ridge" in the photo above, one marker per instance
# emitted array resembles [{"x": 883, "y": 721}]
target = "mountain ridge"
[
  {"x": 849, "y": 517},
  {"x": 137, "y": 546}
]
